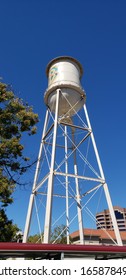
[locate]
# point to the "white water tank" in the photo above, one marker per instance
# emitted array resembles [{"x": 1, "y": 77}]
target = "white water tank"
[{"x": 65, "y": 73}]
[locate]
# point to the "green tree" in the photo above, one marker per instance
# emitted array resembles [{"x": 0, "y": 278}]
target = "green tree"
[
  {"x": 16, "y": 118},
  {"x": 7, "y": 228},
  {"x": 58, "y": 236},
  {"x": 35, "y": 238}
]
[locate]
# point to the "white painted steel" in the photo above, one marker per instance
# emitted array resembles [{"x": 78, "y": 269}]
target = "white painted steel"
[
  {"x": 108, "y": 198},
  {"x": 31, "y": 200},
  {"x": 80, "y": 177},
  {"x": 70, "y": 101},
  {"x": 65, "y": 73},
  {"x": 64, "y": 70},
  {"x": 67, "y": 184},
  {"x": 65, "y": 97},
  {"x": 112, "y": 213},
  {"x": 48, "y": 214},
  {"x": 79, "y": 207}
]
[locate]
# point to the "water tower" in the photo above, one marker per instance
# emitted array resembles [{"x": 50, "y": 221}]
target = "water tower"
[{"x": 65, "y": 178}]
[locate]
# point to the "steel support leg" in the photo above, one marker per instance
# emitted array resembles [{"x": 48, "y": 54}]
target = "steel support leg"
[
  {"x": 48, "y": 216},
  {"x": 31, "y": 201},
  {"x": 79, "y": 208},
  {"x": 108, "y": 198},
  {"x": 67, "y": 202}
]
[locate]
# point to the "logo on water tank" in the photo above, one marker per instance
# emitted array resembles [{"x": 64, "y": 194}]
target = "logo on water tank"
[{"x": 53, "y": 73}]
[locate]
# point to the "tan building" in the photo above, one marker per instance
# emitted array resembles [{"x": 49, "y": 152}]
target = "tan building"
[
  {"x": 98, "y": 237},
  {"x": 104, "y": 219}
]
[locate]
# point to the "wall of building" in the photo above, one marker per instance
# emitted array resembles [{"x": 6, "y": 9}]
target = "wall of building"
[{"x": 104, "y": 219}]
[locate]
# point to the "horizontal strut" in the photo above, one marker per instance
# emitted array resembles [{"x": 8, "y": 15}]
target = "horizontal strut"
[
  {"x": 75, "y": 126},
  {"x": 80, "y": 177}
]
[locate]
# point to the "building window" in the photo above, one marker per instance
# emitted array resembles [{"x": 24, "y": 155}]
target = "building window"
[{"x": 119, "y": 215}]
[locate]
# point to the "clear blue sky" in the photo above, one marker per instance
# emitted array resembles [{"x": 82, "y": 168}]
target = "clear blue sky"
[{"x": 32, "y": 32}]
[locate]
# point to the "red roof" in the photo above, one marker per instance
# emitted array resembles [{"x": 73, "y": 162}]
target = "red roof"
[
  {"x": 100, "y": 233},
  {"x": 44, "y": 250}
]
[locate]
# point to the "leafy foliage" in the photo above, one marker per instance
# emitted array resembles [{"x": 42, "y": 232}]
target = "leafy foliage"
[
  {"x": 58, "y": 236},
  {"x": 7, "y": 229},
  {"x": 34, "y": 238},
  {"x": 16, "y": 118}
]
